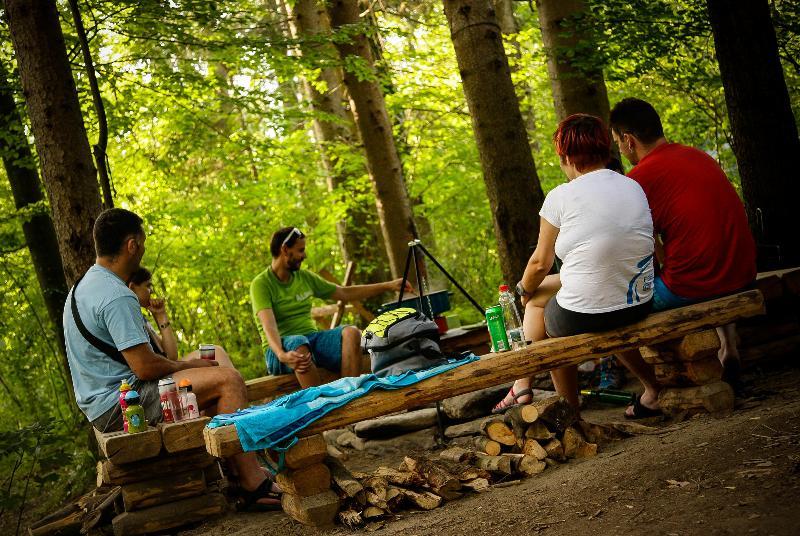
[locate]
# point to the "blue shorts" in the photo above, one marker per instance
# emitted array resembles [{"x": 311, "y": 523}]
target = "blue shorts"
[
  {"x": 326, "y": 350},
  {"x": 664, "y": 298}
]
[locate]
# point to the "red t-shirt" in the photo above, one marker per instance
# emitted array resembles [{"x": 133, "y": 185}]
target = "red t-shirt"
[{"x": 708, "y": 248}]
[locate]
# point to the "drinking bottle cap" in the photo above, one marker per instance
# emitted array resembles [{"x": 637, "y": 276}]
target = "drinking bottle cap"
[
  {"x": 132, "y": 398},
  {"x": 503, "y": 288},
  {"x": 124, "y": 386}
]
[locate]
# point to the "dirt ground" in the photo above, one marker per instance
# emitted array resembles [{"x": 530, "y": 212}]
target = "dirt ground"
[{"x": 735, "y": 475}]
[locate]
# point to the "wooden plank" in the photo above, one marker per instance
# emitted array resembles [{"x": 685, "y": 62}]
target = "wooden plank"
[
  {"x": 163, "y": 490},
  {"x": 714, "y": 397},
  {"x": 538, "y": 357},
  {"x": 111, "y": 474},
  {"x": 306, "y": 481},
  {"x": 183, "y": 435},
  {"x": 122, "y": 447},
  {"x": 169, "y": 516},
  {"x": 318, "y": 510},
  {"x": 307, "y": 451}
]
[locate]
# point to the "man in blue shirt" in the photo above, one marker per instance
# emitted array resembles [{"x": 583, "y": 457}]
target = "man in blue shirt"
[{"x": 120, "y": 349}]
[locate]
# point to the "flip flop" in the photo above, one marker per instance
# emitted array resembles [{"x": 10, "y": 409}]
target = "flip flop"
[
  {"x": 501, "y": 406},
  {"x": 640, "y": 411},
  {"x": 249, "y": 499}
]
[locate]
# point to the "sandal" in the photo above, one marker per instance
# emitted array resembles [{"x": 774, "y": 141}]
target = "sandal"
[
  {"x": 640, "y": 411},
  {"x": 249, "y": 499},
  {"x": 502, "y": 406}
]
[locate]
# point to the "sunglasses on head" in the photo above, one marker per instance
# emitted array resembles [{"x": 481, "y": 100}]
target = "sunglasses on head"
[{"x": 289, "y": 236}]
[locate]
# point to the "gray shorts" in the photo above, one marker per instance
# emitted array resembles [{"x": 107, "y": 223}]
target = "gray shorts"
[{"x": 111, "y": 420}]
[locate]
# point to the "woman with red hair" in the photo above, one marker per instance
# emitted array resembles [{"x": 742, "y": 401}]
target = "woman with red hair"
[{"x": 598, "y": 223}]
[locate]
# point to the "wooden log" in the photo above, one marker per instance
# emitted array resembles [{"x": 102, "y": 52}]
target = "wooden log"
[
  {"x": 457, "y": 454},
  {"x": 771, "y": 288},
  {"x": 488, "y": 446},
  {"x": 350, "y": 518},
  {"x": 395, "y": 425},
  {"x": 118, "y": 475},
  {"x": 497, "y": 430},
  {"x": 67, "y": 524},
  {"x": 531, "y": 447},
  {"x": 169, "y": 516},
  {"x": 554, "y": 449},
  {"x": 306, "y": 481},
  {"x": 519, "y": 418},
  {"x": 497, "y": 464},
  {"x": 336, "y": 454},
  {"x": 539, "y": 432},
  {"x": 213, "y": 472},
  {"x": 475, "y": 404},
  {"x": 307, "y": 451},
  {"x": 372, "y": 512},
  {"x": 317, "y": 511},
  {"x": 698, "y": 346},
  {"x": 791, "y": 282},
  {"x": 688, "y": 373},
  {"x": 556, "y": 413},
  {"x": 163, "y": 490},
  {"x": 441, "y": 482},
  {"x": 344, "y": 479},
  {"x": 121, "y": 447},
  {"x": 716, "y": 398},
  {"x": 400, "y": 478},
  {"x": 471, "y": 473},
  {"x": 524, "y": 464},
  {"x": 476, "y": 484},
  {"x": 575, "y": 446},
  {"x": 422, "y": 500},
  {"x": 183, "y": 435},
  {"x": 600, "y": 433},
  {"x": 470, "y": 428},
  {"x": 541, "y": 356}
]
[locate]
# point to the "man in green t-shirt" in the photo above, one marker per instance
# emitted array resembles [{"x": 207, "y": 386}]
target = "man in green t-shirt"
[{"x": 281, "y": 297}]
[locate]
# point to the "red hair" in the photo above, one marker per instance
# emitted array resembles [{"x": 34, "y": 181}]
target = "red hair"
[{"x": 584, "y": 139}]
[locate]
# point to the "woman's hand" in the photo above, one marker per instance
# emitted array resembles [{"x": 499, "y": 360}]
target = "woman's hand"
[{"x": 158, "y": 308}]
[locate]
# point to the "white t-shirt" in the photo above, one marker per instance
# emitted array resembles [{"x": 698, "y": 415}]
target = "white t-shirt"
[{"x": 605, "y": 242}]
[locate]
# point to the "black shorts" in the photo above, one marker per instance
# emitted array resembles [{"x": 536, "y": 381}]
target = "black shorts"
[
  {"x": 111, "y": 420},
  {"x": 560, "y": 322}
]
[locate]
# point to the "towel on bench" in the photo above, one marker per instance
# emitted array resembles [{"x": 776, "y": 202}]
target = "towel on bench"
[{"x": 275, "y": 425}]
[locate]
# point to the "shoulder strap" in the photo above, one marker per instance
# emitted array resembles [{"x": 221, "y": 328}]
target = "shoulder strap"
[{"x": 103, "y": 346}]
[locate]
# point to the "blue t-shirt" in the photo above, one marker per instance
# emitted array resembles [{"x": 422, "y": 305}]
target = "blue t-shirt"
[{"x": 111, "y": 312}]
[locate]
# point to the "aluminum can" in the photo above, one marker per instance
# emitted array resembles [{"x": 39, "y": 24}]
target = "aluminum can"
[
  {"x": 171, "y": 410},
  {"x": 208, "y": 351},
  {"x": 497, "y": 328}
]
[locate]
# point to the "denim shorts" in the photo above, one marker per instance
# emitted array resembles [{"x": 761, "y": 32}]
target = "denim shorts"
[
  {"x": 326, "y": 350},
  {"x": 664, "y": 298}
]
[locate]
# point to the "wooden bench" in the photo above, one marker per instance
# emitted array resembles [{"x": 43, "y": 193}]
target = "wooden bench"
[{"x": 538, "y": 357}]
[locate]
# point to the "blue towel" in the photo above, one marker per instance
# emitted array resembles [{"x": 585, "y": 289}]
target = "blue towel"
[{"x": 276, "y": 424}]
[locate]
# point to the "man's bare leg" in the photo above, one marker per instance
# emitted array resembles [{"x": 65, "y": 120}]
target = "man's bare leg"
[
  {"x": 633, "y": 361},
  {"x": 351, "y": 352},
  {"x": 729, "y": 356},
  {"x": 565, "y": 381},
  {"x": 224, "y": 388},
  {"x": 533, "y": 326},
  {"x": 310, "y": 377}
]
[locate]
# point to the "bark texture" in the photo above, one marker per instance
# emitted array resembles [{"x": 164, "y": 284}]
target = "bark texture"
[
  {"x": 334, "y": 126},
  {"x": 515, "y": 195},
  {"x": 577, "y": 83},
  {"x": 764, "y": 132},
  {"x": 383, "y": 161},
  {"x": 66, "y": 160}
]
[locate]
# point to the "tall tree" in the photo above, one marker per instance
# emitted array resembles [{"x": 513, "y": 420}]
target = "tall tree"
[
  {"x": 509, "y": 171},
  {"x": 40, "y": 235},
  {"x": 764, "y": 132},
  {"x": 369, "y": 109},
  {"x": 58, "y": 131},
  {"x": 575, "y": 77},
  {"x": 335, "y": 130}
]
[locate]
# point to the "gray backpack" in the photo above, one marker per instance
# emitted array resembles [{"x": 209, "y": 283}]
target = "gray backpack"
[{"x": 400, "y": 340}]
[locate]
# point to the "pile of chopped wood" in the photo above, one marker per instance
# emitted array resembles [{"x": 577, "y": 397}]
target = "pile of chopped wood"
[{"x": 486, "y": 452}]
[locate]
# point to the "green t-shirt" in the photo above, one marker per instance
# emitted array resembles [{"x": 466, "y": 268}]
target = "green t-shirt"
[{"x": 290, "y": 302}]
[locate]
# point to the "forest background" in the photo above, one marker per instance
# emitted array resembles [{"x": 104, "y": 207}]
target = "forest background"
[{"x": 210, "y": 141}]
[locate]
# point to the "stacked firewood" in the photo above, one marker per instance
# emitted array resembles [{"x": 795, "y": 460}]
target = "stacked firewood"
[{"x": 485, "y": 452}]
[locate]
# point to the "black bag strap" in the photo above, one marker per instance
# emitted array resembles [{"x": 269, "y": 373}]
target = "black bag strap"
[{"x": 101, "y": 345}]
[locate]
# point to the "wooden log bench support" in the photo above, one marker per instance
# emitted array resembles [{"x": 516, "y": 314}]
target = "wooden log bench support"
[{"x": 541, "y": 356}]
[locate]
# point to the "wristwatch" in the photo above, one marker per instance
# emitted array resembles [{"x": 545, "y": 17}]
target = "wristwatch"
[{"x": 521, "y": 290}]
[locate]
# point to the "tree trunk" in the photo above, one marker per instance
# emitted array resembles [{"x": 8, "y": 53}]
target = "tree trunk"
[
  {"x": 334, "y": 126},
  {"x": 40, "y": 235},
  {"x": 383, "y": 161},
  {"x": 509, "y": 172},
  {"x": 66, "y": 160},
  {"x": 578, "y": 85},
  {"x": 764, "y": 132}
]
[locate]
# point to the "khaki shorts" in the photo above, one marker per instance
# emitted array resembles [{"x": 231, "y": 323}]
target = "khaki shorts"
[{"x": 111, "y": 420}]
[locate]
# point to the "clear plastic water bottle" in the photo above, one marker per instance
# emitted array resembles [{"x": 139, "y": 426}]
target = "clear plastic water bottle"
[{"x": 516, "y": 336}]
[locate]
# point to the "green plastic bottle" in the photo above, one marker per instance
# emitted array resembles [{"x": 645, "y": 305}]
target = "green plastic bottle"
[{"x": 135, "y": 413}]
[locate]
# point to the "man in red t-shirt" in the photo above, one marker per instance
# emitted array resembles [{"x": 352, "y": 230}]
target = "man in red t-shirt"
[{"x": 703, "y": 241}]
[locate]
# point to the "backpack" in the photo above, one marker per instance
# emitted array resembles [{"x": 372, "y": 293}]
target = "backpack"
[{"x": 400, "y": 340}]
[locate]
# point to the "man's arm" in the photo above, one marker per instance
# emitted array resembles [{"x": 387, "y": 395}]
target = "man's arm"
[
  {"x": 300, "y": 362},
  {"x": 147, "y": 365},
  {"x": 362, "y": 292}
]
